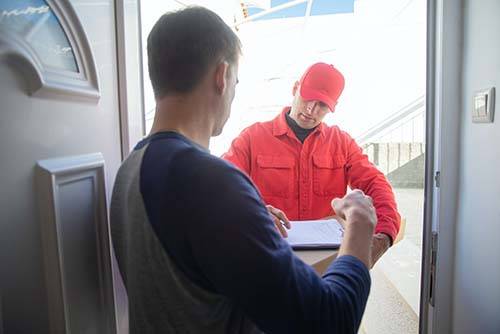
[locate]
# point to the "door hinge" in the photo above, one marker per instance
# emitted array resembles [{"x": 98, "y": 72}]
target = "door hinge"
[
  {"x": 437, "y": 179},
  {"x": 432, "y": 283}
]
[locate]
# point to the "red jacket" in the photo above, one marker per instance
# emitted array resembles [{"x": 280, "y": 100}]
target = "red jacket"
[{"x": 302, "y": 179}]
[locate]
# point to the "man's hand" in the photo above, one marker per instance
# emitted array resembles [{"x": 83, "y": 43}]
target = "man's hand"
[
  {"x": 380, "y": 244},
  {"x": 357, "y": 211},
  {"x": 355, "y": 208},
  {"x": 280, "y": 220}
]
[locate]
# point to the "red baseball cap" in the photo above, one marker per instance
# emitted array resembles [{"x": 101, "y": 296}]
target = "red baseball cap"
[{"x": 322, "y": 82}]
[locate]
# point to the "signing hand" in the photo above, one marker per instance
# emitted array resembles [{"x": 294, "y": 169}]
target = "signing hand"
[{"x": 280, "y": 220}]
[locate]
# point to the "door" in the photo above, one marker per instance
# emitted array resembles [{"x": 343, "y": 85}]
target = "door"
[{"x": 58, "y": 98}]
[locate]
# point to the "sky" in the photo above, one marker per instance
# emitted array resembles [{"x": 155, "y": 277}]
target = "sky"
[{"x": 379, "y": 46}]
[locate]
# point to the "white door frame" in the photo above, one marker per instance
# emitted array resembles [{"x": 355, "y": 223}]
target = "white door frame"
[
  {"x": 130, "y": 76},
  {"x": 444, "y": 68}
]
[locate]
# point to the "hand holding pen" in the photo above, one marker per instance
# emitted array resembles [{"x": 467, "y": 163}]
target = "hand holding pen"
[{"x": 280, "y": 220}]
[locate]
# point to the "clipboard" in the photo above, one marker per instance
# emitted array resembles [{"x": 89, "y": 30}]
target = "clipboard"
[{"x": 315, "y": 234}]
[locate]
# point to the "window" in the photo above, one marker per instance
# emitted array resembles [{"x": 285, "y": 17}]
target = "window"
[
  {"x": 35, "y": 22},
  {"x": 47, "y": 42}
]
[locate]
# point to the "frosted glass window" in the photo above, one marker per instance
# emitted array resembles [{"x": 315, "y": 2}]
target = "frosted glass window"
[{"x": 35, "y": 22}]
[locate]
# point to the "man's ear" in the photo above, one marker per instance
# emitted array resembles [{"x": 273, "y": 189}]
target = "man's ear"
[
  {"x": 295, "y": 87},
  {"x": 220, "y": 77}
]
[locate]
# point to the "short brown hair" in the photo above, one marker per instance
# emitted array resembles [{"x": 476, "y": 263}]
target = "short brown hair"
[{"x": 183, "y": 45}]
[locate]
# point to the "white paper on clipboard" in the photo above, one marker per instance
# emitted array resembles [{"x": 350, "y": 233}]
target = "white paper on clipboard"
[{"x": 315, "y": 234}]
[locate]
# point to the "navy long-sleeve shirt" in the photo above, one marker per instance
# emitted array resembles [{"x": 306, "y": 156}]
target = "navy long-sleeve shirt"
[{"x": 212, "y": 222}]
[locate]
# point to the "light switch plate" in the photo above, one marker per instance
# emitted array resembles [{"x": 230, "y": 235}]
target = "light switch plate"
[{"x": 484, "y": 106}]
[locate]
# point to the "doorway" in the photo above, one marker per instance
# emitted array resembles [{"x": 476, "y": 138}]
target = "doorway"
[{"x": 381, "y": 49}]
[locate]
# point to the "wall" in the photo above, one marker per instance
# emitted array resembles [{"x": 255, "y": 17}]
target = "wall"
[
  {"x": 476, "y": 304},
  {"x": 34, "y": 128}
]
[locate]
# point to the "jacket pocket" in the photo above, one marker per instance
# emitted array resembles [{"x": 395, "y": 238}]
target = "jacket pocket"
[
  {"x": 329, "y": 175},
  {"x": 275, "y": 175}
]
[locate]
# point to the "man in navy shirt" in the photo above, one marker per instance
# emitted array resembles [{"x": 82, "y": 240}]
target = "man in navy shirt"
[{"x": 196, "y": 246}]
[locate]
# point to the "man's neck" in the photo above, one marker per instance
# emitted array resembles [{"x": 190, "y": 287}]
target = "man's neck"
[
  {"x": 184, "y": 115},
  {"x": 299, "y": 131}
]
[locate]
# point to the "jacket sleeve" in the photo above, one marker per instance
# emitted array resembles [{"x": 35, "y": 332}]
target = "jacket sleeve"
[
  {"x": 362, "y": 174},
  {"x": 239, "y": 153}
]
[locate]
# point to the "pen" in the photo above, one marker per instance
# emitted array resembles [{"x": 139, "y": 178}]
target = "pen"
[{"x": 283, "y": 223}]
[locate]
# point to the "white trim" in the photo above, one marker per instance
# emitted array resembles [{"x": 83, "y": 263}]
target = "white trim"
[
  {"x": 50, "y": 176},
  {"x": 443, "y": 94},
  {"x": 425, "y": 319},
  {"x": 130, "y": 88},
  {"x": 141, "y": 71}
]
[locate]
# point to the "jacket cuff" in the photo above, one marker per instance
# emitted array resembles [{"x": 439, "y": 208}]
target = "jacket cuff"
[{"x": 387, "y": 228}]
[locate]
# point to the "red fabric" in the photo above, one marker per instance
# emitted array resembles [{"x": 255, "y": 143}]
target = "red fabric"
[{"x": 302, "y": 179}]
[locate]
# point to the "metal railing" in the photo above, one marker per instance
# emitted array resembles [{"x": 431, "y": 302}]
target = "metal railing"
[{"x": 408, "y": 120}]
